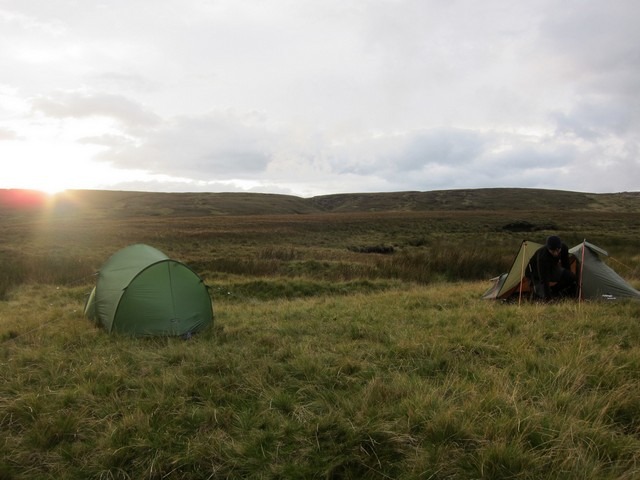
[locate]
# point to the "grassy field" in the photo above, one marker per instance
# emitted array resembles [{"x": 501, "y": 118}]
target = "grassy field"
[{"x": 345, "y": 345}]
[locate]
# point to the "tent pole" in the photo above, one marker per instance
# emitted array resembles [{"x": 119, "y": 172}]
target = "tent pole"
[
  {"x": 581, "y": 270},
  {"x": 524, "y": 255}
]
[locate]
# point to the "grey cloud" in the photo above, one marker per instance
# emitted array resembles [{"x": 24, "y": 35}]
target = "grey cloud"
[
  {"x": 523, "y": 152},
  {"x": 460, "y": 158},
  {"x": 410, "y": 152},
  {"x": 81, "y": 105},
  {"x": 594, "y": 48},
  {"x": 597, "y": 36},
  {"x": 609, "y": 165},
  {"x": 455, "y": 147},
  {"x": 593, "y": 120},
  {"x": 214, "y": 146}
]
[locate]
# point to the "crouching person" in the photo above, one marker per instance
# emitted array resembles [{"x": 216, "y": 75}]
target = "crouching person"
[{"x": 549, "y": 271}]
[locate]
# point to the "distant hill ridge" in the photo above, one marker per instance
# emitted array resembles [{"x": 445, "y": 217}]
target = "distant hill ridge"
[{"x": 126, "y": 203}]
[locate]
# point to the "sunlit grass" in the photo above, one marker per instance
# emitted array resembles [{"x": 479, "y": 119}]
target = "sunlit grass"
[{"x": 398, "y": 383}]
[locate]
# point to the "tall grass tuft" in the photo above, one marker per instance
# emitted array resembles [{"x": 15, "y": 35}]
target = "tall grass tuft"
[
  {"x": 18, "y": 268},
  {"x": 444, "y": 263}
]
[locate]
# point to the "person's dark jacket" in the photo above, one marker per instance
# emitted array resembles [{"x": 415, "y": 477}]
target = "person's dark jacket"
[
  {"x": 564, "y": 257},
  {"x": 543, "y": 268}
]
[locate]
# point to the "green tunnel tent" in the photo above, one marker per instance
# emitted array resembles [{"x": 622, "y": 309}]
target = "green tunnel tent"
[
  {"x": 142, "y": 292},
  {"x": 596, "y": 279}
]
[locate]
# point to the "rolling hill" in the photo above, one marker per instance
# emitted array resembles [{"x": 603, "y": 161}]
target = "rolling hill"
[{"x": 106, "y": 203}]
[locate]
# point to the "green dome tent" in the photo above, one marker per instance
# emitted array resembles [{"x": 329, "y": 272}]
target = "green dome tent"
[{"x": 142, "y": 292}]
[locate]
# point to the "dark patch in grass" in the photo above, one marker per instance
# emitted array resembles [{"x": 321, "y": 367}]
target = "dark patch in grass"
[
  {"x": 380, "y": 249},
  {"x": 525, "y": 226}
]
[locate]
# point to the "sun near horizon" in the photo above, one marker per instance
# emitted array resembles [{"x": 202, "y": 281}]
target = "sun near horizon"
[
  {"x": 51, "y": 190},
  {"x": 37, "y": 176}
]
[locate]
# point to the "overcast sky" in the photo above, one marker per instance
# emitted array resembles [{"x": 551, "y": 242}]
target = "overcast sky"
[{"x": 314, "y": 97}]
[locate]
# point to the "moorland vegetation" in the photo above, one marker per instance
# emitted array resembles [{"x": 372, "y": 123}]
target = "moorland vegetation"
[{"x": 350, "y": 340}]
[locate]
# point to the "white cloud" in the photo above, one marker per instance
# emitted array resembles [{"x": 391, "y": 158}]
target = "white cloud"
[
  {"x": 7, "y": 134},
  {"x": 312, "y": 97}
]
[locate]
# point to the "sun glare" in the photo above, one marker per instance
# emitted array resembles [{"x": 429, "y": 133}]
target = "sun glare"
[
  {"x": 48, "y": 185},
  {"x": 52, "y": 189}
]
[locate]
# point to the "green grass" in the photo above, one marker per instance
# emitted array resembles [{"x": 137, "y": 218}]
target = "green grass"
[
  {"x": 409, "y": 382},
  {"x": 344, "y": 346}
]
